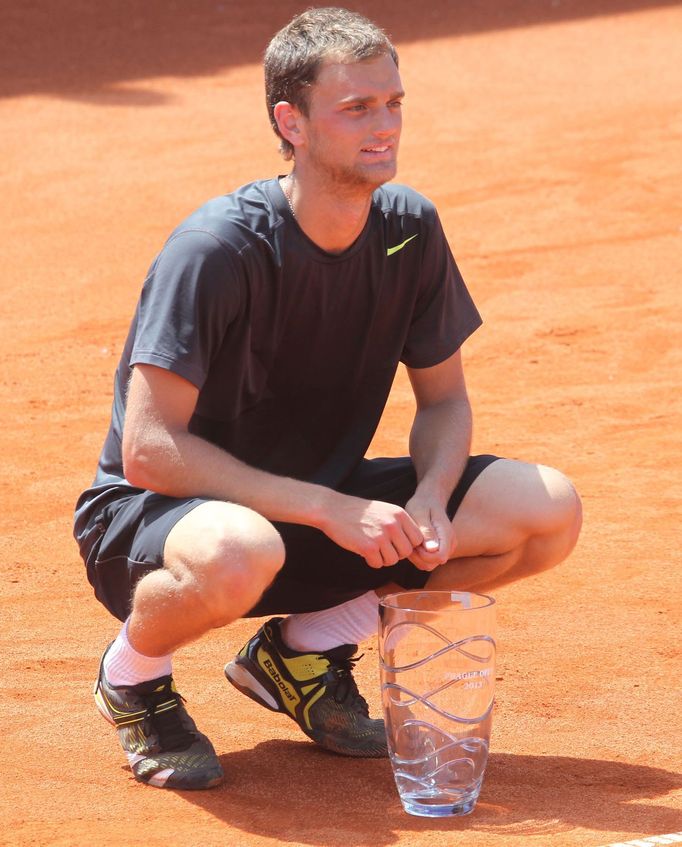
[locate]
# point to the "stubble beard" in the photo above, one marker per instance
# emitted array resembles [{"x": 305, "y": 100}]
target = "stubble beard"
[{"x": 356, "y": 180}]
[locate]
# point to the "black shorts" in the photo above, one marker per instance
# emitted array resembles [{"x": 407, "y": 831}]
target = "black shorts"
[{"x": 125, "y": 538}]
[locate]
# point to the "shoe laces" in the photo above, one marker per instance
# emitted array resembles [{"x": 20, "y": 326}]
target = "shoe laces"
[
  {"x": 168, "y": 724},
  {"x": 345, "y": 690}
]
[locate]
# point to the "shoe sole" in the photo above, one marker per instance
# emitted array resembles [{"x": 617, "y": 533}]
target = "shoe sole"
[
  {"x": 245, "y": 682},
  {"x": 101, "y": 708}
]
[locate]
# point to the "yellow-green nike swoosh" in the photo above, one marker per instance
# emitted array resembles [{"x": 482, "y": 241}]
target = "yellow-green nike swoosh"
[{"x": 391, "y": 250}]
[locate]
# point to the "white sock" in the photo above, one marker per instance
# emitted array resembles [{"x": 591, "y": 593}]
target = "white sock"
[
  {"x": 349, "y": 623},
  {"x": 123, "y": 665}
]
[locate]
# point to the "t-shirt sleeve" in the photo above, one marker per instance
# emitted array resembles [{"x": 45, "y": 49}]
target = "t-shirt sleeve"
[
  {"x": 189, "y": 299},
  {"x": 444, "y": 314}
]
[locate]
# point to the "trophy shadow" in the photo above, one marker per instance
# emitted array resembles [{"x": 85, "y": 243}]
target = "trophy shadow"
[{"x": 297, "y": 793}]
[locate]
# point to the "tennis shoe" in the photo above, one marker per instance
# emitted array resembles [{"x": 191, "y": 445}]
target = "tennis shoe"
[
  {"x": 162, "y": 743},
  {"x": 316, "y": 690}
]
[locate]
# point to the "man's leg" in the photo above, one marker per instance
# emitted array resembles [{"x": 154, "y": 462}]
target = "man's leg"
[
  {"x": 516, "y": 520},
  {"x": 218, "y": 560}
]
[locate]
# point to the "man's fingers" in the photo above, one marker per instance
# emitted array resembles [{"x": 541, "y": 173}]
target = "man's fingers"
[
  {"x": 438, "y": 553},
  {"x": 385, "y": 554},
  {"x": 403, "y": 545},
  {"x": 425, "y": 561},
  {"x": 385, "y": 533},
  {"x": 374, "y": 559},
  {"x": 412, "y": 531},
  {"x": 430, "y": 556},
  {"x": 390, "y": 555},
  {"x": 431, "y": 542},
  {"x": 391, "y": 550},
  {"x": 429, "y": 548}
]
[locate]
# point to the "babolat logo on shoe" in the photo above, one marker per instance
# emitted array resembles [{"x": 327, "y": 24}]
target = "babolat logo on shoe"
[{"x": 270, "y": 668}]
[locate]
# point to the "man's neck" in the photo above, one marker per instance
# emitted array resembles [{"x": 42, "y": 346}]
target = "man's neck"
[{"x": 331, "y": 216}]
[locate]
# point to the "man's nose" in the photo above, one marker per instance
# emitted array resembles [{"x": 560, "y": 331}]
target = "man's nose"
[{"x": 388, "y": 123}]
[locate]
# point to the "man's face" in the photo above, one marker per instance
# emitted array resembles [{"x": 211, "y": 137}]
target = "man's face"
[{"x": 353, "y": 125}]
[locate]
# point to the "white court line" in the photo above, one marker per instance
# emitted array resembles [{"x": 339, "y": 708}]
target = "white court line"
[{"x": 649, "y": 841}]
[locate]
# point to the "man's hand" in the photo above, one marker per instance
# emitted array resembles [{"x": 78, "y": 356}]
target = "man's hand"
[
  {"x": 436, "y": 529},
  {"x": 379, "y": 532}
]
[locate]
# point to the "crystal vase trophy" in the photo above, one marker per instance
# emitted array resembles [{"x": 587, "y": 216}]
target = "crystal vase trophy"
[{"x": 437, "y": 660}]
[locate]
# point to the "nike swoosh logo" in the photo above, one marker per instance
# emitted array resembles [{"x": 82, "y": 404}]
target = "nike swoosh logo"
[{"x": 391, "y": 250}]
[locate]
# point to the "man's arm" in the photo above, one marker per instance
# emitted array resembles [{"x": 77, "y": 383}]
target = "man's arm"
[
  {"x": 440, "y": 441},
  {"x": 160, "y": 454}
]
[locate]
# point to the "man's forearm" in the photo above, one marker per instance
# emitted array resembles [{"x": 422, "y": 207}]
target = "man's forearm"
[
  {"x": 180, "y": 464},
  {"x": 440, "y": 441}
]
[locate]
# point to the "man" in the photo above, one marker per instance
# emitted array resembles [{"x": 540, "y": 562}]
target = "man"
[{"x": 233, "y": 482}]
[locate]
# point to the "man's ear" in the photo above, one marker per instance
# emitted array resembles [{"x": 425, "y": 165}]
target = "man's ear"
[{"x": 289, "y": 122}]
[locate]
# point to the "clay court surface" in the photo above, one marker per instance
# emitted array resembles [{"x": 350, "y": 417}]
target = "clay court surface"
[{"x": 549, "y": 134}]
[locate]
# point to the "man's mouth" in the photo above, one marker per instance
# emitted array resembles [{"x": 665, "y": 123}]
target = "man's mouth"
[{"x": 376, "y": 149}]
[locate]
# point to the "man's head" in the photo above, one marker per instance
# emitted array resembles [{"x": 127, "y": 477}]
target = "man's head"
[{"x": 296, "y": 54}]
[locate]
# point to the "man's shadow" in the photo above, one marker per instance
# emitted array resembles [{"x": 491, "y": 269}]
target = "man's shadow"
[{"x": 295, "y": 792}]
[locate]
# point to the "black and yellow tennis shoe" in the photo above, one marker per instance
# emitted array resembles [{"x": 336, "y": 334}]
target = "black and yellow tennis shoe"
[
  {"x": 162, "y": 743},
  {"x": 317, "y": 690}
]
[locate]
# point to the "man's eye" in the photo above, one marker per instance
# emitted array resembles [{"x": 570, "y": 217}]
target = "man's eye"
[
  {"x": 395, "y": 104},
  {"x": 357, "y": 107}
]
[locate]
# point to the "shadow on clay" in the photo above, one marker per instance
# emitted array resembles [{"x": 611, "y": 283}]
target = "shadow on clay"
[
  {"x": 297, "y": 793},
  {"x": 100, "y": 51}
]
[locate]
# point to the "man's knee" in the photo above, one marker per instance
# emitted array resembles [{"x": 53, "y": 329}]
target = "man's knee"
[
  {"x": 226, "y": 555},
  {"x": 558, "y": 503},
  {"x": 554, "y": 515},
  {"x": 512, "y": 502}
]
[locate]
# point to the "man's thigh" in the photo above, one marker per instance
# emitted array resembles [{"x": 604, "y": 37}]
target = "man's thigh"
[
  {"x": 144, "y": 531},
  {"x": 508, "y": 502},
  {"x": 126, "y": 542},
  {"x": 318, "y": 574}
]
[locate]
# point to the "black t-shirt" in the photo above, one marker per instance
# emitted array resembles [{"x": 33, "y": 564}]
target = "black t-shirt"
[{"x": 293, "y": 349}]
